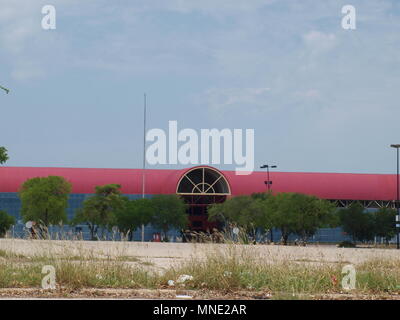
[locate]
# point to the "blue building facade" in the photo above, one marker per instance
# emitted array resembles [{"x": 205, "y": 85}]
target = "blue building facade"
[{"x": 11, "y": 203}]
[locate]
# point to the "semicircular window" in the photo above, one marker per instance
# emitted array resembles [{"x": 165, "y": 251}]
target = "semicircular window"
[{"x": 203, "y": 181}]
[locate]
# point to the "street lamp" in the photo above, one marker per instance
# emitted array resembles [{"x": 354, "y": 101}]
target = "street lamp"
[
  {"x": 397, "y": 146},
  {"x": 268, "y": 183},
  {"x": 5, "y": 89}
]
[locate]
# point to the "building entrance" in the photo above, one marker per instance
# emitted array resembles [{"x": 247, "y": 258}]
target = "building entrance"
[{"x": 200, "y": 187}]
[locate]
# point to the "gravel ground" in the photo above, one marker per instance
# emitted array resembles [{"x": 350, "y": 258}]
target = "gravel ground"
[
  {"x": 165, "y": 255},
  {"x": 170, "y": 294},
  {"x": 161, "y": 256}
]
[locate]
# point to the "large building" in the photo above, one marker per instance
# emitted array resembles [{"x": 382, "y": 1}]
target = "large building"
[{"x": 203, "y": 185}]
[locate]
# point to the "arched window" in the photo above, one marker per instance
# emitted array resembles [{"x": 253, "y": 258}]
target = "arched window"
[{"x": 203, "y": 181}]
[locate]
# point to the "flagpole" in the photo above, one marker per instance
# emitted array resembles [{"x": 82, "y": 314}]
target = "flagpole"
[{"x": 144, "y": 154}]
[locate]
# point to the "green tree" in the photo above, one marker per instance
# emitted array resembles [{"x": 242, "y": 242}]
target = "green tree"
[
  {"x": 169, "y": 212},
  {"x": 44, "y": 200},
  {"x": 6, "y": 221},
  {"x": 357, "y": 222},
  {"x": 264, "y": 217},
  {"x": 312, "y": 213},
  {"x": 3, "y": 155},
  {"x": 385, "y": 225},
  {"x": 247, "y": 212},
  {"x": 261, "y": 195},
  {"x": 99, "y": 210},
  {"x": 283, "y": 217},
  {"x": 133, "y": 214},
  {"x": 88, "y": 214},
  {"x": 295, "y": 213}
]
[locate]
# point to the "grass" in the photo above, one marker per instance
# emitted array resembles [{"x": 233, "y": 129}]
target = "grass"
[
  {"x": 242, "y": 269},
  {"x": 8, "y": 254},
  {"x": 75, "y": 275},
  {"x": 227, "y": 268}
]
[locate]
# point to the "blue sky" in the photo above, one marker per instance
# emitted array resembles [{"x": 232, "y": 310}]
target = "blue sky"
[{"x": 319, "y": 97}]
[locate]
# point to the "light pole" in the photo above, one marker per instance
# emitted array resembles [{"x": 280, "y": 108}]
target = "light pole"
[
  {"x": 5, "y": 89},
  {"x": 397, "y": 146},
  {"x": 144, "y": 154},
  {"x": 268, "y": 183}
]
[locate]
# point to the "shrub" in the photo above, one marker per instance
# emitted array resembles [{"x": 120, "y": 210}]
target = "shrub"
[
  {"x": 346, "y": 244},
  {"x": 6, "y": 221}
]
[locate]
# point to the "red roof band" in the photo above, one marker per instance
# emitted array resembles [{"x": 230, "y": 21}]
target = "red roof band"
[{"x": 340, "y": 186}]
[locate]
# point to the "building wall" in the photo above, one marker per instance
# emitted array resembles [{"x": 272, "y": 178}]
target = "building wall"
[{"x": 343, "y": 186}]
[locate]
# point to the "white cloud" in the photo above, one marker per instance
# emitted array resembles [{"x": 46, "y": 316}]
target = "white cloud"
[
  {"x": 211, "y": 7},
  {"x": 319, "y": 42},
  {"x": 309, "y": 94},
  {"x": 26, "y": 70},
  {"x": 19, "y": 29},
  {"x": 228, "y": 98}
]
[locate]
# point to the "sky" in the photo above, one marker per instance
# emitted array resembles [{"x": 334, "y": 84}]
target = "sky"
[{"x": 319, "y": 98}]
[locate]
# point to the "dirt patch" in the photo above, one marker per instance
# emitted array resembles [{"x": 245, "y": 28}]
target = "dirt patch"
[
  {"x": 89, "y": 269},
  {"x": 166, "y": 255},
  {"x": 162, "y": 294}
]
